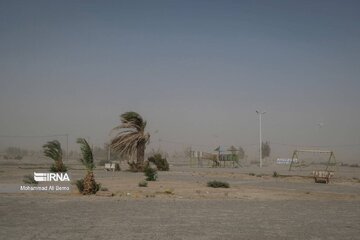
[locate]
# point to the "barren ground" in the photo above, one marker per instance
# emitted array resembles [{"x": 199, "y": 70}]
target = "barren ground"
[{"x": 180, "y": 206}]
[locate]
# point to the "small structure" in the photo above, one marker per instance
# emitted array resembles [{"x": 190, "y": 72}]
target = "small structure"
[
  {"x": 219, "y": 159},
  {"x": 322, "y": 176},
  {"x": 198, "y": 158},
  {"x": 229, "y": 156},
  {"x": 285, "y": 161},
  {"x": 112, "y": 167}
]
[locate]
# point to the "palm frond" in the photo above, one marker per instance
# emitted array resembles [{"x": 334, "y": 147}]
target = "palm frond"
[
  {"x": 87, "y": 155},
  {"x": 134, "y": 119},
  {"x": 125, "y": 143},
  {"x": 52, "y": 149},
  {"x": 130, "y": 134}
]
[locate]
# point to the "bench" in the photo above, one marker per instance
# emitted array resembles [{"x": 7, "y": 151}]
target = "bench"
[
  {"x": 109, "y": 167},
  {"x": 322, "y": 176}
]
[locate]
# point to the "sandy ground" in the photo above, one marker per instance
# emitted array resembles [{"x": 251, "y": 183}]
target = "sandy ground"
[{"x": 180, "y": 206}]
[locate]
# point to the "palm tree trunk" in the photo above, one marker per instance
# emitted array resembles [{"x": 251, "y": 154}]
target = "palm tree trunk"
[
  {"x": 140, "y": 154},
  {"x": 59, "y": 165},
  {"x": 89, "y": 183}
]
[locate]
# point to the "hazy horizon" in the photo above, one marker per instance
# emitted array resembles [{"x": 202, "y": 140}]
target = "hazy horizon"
[{"x": 195, "y": 70}]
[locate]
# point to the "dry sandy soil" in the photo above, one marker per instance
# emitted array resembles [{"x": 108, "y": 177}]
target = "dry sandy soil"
[{"x": 180, "y": 206}]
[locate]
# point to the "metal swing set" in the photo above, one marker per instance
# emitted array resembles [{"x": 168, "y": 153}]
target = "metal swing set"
[
  {"x": 330, "y": 164},
  {"x": 320, "y": 176}
]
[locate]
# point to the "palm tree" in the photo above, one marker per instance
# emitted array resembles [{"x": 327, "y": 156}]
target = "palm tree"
[
  {"x": 266, "y": 149},
  {"x": 131, "y": 138},
  {"x": 52, "y": 149},
  {"x": 90, "y": 186}
]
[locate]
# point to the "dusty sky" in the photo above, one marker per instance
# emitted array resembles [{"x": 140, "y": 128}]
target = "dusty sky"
[{"x": 195, "y": 70}]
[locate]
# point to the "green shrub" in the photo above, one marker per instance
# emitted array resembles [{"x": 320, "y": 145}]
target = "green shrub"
[
  {"x": 169, "y": 191},
  {"x": 80, "y": 185},
  {"x": 251, "y": 174},
  {"x": 160, "y": 163},
  {"x": 218, "y": 184},
  {"x": 275, "y": 174},
  {"x": 98, "y": 187},
  {"x": 143, "y": 184},
  {"x": 150, "y": 174},
  {"x": 29, "y": 179}
]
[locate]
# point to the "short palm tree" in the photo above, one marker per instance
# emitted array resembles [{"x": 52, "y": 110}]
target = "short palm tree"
[
  {"x": 52, "y": 149},
  {"x": 90, "y": 186},
  {"x": 131, "y": 138}
]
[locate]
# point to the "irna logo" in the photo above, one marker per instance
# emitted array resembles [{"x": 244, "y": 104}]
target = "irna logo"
[{"x": 49, "y": 177}]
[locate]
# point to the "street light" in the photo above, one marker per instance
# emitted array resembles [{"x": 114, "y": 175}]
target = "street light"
[{"x": 260, "y": 116}]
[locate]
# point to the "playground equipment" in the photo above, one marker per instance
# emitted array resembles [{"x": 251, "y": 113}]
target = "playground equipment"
[
  {"x": 322, "y": 176},
  {"x": 198, "y": 158},
  {"x": 229, "y": 156},
  {"x": 330, "y": 164},
  {"x": 220, "y": 159}
]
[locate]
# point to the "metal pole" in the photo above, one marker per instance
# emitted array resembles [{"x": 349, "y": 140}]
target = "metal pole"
[
  {"x": 109, "y": 152},
  {"x": 67, "y": 147},
  {"x": 260, "y": 142},
  {"x": 260, "y": 116}
]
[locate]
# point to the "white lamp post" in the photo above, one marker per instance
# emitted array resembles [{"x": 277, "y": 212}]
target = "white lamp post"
[{"x": 260, "y": 116}]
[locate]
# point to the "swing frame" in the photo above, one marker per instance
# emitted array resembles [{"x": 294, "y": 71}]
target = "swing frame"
[{"x": 331, "y": 163}]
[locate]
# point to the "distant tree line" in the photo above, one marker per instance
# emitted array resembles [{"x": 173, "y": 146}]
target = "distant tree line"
[{"x": 15, "y": 153}]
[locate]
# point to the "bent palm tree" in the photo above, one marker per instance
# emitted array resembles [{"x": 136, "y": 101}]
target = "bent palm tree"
[
  {"x": 90, "y": 186},
  {"x": 52, "y": 149},
  {"x": 131, "y": 138}
]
